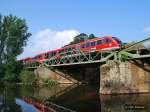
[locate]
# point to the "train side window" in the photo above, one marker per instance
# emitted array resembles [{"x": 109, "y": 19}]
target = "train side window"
[
  {"x": 87, "y": 44},
  {"x": 99, "y": 42},
  {"x": 73, "y": 48},
  {"x": 104, "y": 41},
  {"x": 66, "y": 49},
  {"x": 49, "y": 55},
  {"x": 108, "y": 41},
  {"x": 93, "y": 43},
  {"x": 69, "y": 49},
  {"x": 83, "y": 45}
]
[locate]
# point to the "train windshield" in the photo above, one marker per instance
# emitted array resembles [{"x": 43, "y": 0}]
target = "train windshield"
[{"x": 118, "y": 40}]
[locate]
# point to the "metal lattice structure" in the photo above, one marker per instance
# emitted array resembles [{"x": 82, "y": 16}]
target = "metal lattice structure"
[
  {"x": 136, "y": 50},
  {"x": 89, "y": 56}
]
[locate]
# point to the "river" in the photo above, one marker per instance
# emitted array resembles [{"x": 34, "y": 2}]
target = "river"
[{"x": 75, "y": 98}]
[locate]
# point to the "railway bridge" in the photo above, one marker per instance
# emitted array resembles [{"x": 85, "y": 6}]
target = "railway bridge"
[{"x": 126, "y": 70}]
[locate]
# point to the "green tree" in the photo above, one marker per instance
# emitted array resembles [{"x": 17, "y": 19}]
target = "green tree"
[
  {"x": 13, "y": 37},
  {"x": 12, "y": 71},
  {"x": 80, "y": 38},
  {"x": 92, "y": 36},
  {"x": 25, "y": 76}
]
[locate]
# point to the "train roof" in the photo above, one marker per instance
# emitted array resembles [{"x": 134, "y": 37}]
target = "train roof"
[{"x": 95, "y": 39}]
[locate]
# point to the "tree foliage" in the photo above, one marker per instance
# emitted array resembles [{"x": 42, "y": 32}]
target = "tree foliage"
[
  {"x": 92, "y": 36},
  {"x": 25, "y": 76},
  {"x": 82, "y": 38},
  {"x": 13, "y": 37}
]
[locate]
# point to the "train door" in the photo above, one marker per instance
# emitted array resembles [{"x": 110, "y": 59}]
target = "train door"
[
  {"x": 93, "y": 45},
  {"x": 99, "y": 45}
]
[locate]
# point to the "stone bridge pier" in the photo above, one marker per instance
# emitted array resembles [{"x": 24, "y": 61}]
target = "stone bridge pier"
[
  {"x": 53, "y": 74},
  {"x": 124, "y": 77},
  {"x": 75, "y": 74}
]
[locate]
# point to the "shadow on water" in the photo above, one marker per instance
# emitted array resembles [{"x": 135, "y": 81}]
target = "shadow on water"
[{"x": 81, "y": 98}]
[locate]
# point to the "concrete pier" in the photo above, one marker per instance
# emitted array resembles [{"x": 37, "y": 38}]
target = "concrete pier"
[
  {"x": 123, "y": 77},
  {"x": 55, "y": 75},
  {"x": 72, "y": 75}
]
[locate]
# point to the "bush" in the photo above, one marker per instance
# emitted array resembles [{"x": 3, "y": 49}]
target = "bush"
[
  {"x": 27, "y": 76},
  {"x": 48, "y": 82},
  {"x": 11, "y": 71}
]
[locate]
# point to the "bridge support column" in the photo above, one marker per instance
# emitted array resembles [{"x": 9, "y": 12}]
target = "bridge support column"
[
  {"x": 123, "y": 77},
  {"x": 55, "y": 75}
]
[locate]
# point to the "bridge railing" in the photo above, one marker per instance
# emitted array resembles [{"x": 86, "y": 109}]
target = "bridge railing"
[{"x": 72, "y": 57}]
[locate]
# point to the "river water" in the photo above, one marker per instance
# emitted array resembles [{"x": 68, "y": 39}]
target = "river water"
[{"x": 77, "y": 98}]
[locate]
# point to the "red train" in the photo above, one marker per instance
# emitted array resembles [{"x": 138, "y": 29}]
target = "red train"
[{"x": 103, "y": 43}]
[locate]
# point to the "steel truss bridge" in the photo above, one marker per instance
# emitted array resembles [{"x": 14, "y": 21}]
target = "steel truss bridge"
[{"x": 137, "y": 50}]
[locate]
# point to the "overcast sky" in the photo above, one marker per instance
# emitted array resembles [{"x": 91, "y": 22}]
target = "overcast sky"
[{"x": 54, "y": 23}]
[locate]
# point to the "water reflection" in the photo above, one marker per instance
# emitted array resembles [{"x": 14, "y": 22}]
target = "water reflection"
[
  {"x": 43, "y": 93},
  {"x": 81, "y": 98},
  {"x": 25, "y": 107},
  {"x": 125, "y": 103},
  {"x": 7, "y": 100}
]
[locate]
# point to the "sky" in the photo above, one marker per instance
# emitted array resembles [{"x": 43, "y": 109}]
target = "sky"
[{"x": 54, "y": 23}]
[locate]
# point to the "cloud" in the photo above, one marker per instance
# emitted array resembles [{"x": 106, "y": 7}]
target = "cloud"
[
  {"x": 147, "y": 29},
  {"x": 46, "y": 40}
]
